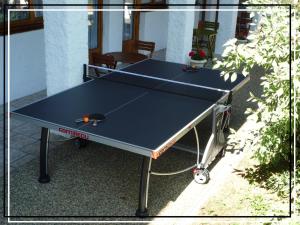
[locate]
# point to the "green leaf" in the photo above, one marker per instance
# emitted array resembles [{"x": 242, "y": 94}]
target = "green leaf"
[
  {"x": 245, "y": 72},
  {"x": 233, "y": 77},
  {"x": 226, "y": 76}
]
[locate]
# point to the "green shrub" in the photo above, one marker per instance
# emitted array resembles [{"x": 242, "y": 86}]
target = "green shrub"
[{"x": 268, "y": 48}]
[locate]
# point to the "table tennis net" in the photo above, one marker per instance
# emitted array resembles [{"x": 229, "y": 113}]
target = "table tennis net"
[{"x": 174, "y": 86}]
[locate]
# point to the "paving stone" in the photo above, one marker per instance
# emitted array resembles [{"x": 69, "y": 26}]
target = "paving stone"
[
  {"x": 1, "y": 156},
  {"x": 29, "y": 129},
  {"x": 28, "y": 99},
  {"x": 1, "y": 136},
  {"x": 159, "y": 55},
  {"x": 19, "y": 141},
  {"x": 2, "y": 107},
  {"x": 33, "y": 149},
  {"x": 38, "y": 95},
  {"x": 15, "y": 154},
  {"x": 36, "y": 98},
  {"x": 14, "y": 123},
  {"x": 21, "y": 102},
  {"x": 22, "y": 160}
]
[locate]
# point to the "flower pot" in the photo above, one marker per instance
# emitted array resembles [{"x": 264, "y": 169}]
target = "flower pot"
[
  {"x": 197, "y": 63},
  {"x": 242, "y": 41}
]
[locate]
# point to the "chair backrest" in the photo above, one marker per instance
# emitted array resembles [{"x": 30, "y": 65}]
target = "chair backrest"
[
  {"x": 146, "y": 46},
  {"x": 106, "y": 60},
  {"x": 208, "y": 25},
  {"x": 103, "y": 60}
]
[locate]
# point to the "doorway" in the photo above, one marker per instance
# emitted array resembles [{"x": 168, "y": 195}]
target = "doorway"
[
  {"x": 130, "y": 25},
  {"x": 95, "y": 29}
]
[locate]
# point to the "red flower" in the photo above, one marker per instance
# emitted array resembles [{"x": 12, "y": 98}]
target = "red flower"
[
  {"x": 202, "y": 54},
  {"x": 191, "y": 54},
  {"x": 201, "y": 24}
]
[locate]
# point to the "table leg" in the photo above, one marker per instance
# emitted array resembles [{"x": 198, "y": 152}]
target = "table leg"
[
  {"x": 144, "y": 182},
  {"x": 44, "y": 177}
]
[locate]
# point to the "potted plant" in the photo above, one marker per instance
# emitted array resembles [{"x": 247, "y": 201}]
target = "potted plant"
[{"x": 197, "y": 58}]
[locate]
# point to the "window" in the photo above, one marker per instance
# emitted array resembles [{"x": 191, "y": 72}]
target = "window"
[
  {"x": 93, "y": 25},
  {"x": 153, "y": 1},
  {"x": 21, "y": 21},
  {"x": 95, "y": 30},
  {"x": 153, "y": 4},
  {"x": 128, "y": 20}
]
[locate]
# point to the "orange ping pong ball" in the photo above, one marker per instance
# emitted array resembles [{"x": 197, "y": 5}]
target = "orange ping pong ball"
[{"x": 85, "y": 119}]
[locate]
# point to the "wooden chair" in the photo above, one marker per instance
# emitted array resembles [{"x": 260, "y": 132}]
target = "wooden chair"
[
  {"x": 103, "y": 60},
  {"x": 134, "y": 46},
  {"x": 205, "y": 36},
  {"x": 145, "y": 46}
]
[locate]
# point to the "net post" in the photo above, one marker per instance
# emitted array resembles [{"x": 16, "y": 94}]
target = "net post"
[{"x": 85, "y": 74}]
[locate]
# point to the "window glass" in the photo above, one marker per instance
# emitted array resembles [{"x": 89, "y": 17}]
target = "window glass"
[
  {"x": 1, "y": 13},
  {"x": 153, "y": 1},
  {"x": 93, "y": 25},
  {"x": 128, "y": 20},
  {"x": 38, "y": 13},
  {"x": 18, "y": 15},
  {"x": 21, "y": 20}
]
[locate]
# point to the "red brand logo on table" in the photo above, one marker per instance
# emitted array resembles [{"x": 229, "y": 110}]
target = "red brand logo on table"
[{"x": 73, "y": 133}]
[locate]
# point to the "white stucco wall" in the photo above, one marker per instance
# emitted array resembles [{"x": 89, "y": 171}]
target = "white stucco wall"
[
  {"x": 180, "y": 32},
  {"x": 154, "y": 27},
  {"x": 227, "y": 25},
  {"x": 66, "y": 47},
  {"x": 27, "y": 64},
  {"x": 112, "y": 27}
]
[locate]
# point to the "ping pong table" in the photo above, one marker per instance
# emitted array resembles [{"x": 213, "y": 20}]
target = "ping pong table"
[{"x": 148, "y": 108}]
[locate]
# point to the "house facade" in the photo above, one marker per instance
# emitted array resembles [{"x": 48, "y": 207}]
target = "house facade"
[{"x": 49, "y": 51}]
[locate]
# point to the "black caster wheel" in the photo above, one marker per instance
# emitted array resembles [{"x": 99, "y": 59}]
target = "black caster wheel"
[
  {"x": 80, "y": 143},
  {"x": 201, "y": 176}
]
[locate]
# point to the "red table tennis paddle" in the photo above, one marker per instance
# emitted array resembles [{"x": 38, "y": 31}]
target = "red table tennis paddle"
[{"x": 95, "y": 118}]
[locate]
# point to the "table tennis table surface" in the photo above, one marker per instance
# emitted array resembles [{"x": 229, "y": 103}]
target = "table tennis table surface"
[{"x": 142, "y": 115}]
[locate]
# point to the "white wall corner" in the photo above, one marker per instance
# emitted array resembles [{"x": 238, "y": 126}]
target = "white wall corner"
[{"x": 66, "y": 46}]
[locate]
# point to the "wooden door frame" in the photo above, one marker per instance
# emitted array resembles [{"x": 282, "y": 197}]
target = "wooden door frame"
[
  {"x": 136, "y": 21},
  {"x": 136, "y": 15},
  {"x": 127, "y": 45},
  {"x": 99, "y": 49}
]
